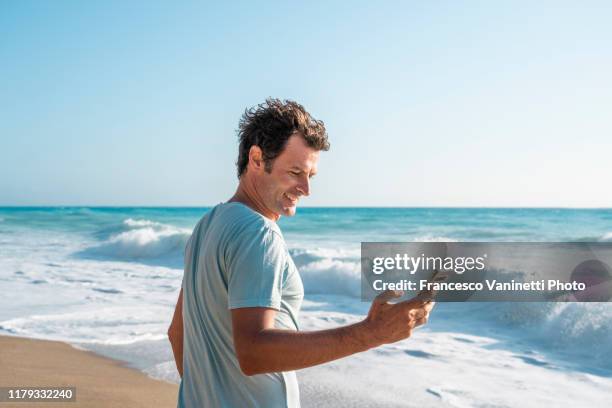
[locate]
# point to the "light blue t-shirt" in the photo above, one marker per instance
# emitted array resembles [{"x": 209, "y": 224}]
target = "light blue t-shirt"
[{"x": 235, "y": 258}]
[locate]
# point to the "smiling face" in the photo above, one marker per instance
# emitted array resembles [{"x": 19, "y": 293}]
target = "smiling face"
[{"x": 288, "y": 180}]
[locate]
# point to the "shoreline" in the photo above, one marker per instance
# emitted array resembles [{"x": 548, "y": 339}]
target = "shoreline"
[{"x": 100, "y": 381}]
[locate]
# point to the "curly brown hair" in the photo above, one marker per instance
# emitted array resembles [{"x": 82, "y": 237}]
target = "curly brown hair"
[{"x": 270, "y": 124}]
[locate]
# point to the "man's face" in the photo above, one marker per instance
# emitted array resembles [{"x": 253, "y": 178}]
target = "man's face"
[{"x": 289, "y": 178}]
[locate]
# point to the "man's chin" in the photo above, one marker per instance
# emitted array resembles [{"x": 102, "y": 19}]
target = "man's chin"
[{"x": 289, "y": 211}]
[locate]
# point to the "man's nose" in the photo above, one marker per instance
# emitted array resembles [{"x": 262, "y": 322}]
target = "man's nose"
[{"x": 304, "y": 186}]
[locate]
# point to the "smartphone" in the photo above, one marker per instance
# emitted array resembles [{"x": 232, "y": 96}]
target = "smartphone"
[{"x": 437, "y": 276}]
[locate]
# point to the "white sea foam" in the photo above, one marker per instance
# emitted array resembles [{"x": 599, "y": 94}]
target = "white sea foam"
[
  {"x": 568, "y": 327},
  {"x": 339, "y": 252},
  {"x": 118, "y": 325},
  {"x": 144, "y": 239},
  {"x": 329, "y": 270},
  {"x": 438, "y": 367},
  {"x": 606, "y": 237},
  {"x": 118, "y": 303},
  {"x": 581, "y": 329},
  {"x": 130, "y": 222},
  {"x": 332, "y": 276},
  {"x": 165, "y": 371},
  {"x": 433, "y": 238}
]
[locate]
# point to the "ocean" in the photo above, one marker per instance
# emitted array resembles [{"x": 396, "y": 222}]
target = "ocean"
[{"x": 107, "y": 280}]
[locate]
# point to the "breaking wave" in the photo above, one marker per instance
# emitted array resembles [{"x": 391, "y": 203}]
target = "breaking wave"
[{"x": 142, "y": 240}]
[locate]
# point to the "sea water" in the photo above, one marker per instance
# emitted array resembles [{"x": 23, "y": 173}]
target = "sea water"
[{"x": 107, "y": 279}]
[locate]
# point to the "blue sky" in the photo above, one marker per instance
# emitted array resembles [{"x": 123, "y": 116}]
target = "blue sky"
[{"x": 426, "y": 103}]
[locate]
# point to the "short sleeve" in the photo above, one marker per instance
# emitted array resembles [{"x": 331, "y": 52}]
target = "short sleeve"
[{"x": 256, "y": 263}]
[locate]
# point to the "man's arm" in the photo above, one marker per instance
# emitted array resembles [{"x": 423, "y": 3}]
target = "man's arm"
[
  {"x": 261, "y": 348},
  {"x": 175, "y": 334}
]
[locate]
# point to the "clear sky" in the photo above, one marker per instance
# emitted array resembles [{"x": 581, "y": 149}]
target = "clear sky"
[{"x": 436, "y": 103}]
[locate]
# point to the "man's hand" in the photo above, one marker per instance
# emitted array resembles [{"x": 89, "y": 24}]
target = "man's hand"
[{"x": 391, "y": 322}]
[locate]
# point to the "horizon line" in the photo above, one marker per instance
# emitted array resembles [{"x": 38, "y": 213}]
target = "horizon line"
[{"x": 314, "y": 207}]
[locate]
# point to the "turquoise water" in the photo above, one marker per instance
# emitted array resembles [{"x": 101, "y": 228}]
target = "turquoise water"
[
  {"x": 352, "y": 224},
  {"x": 108, "y": 278}
]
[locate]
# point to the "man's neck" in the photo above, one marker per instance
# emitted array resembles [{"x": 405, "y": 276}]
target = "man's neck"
[{"x": 246, "y": 193}]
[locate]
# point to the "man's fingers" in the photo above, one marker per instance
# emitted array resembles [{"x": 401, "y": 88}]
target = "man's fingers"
[{"x": 387, "y": 296}]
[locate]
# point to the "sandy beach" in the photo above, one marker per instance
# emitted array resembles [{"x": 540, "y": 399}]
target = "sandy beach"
[{"x": 99, "y": 382}]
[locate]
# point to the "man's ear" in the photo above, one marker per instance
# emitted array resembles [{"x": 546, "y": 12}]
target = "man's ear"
[{"x": 256, "y": 161}]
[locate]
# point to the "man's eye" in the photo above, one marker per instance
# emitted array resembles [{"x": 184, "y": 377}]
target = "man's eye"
[{"x": 295, "y": 173}]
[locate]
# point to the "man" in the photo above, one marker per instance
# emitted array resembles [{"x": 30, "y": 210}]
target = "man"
[{"x": 235, "y": 329}]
